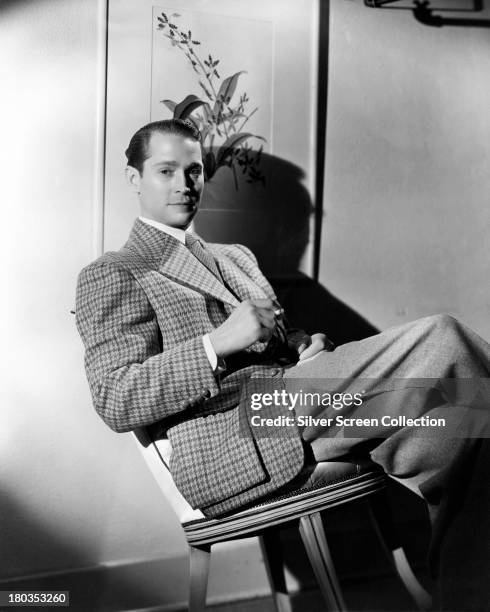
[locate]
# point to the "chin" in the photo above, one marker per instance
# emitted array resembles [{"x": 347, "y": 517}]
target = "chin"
[{"x": 182, "y": 221}]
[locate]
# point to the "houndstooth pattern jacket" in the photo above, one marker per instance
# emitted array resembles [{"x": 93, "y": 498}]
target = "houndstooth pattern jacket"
[{"x": 142, "y": 312}]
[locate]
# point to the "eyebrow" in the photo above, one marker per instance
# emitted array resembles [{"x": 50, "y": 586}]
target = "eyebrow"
[{"x": 174, "y": 164}]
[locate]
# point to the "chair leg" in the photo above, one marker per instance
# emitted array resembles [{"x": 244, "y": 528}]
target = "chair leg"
[
  {"x": 384, "y": 525},
  {"x": 271, "y": 547},
  {"x": 199, "y": 572},
  {"x": 315, "y": 542}
]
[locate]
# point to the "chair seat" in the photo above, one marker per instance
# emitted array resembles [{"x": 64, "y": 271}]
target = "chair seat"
[{"x": 348, "y": 482}]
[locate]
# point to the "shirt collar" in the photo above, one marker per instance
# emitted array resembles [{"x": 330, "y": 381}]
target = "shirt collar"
[{"x": 176, "y": 232}]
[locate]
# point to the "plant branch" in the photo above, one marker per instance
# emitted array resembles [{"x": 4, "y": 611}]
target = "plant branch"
[
  {"x": 220, "y": 116},
  {"x": 247, "y": 118}
]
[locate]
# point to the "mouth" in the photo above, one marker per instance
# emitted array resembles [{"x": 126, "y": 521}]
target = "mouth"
[{"x": 184, "y": 203}]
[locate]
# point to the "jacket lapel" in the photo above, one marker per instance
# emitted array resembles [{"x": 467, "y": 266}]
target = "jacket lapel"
[
  {"x": 237, "y": 280},
  {"x": 179, "y": 264},
  {"x": 172, "y": 259}
]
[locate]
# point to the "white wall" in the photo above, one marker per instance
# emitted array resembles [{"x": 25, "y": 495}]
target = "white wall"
[
  {"x": 407, "y": 220},
  {"x": 72, "y": 493}
]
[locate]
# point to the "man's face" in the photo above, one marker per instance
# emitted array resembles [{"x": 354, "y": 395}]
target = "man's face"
[{"x": 172, "y": 180}]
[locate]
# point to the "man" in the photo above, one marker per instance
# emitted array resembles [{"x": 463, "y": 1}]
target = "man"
[{"x": 174, "y": 328}]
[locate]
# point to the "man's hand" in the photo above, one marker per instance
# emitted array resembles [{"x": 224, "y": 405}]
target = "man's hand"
[
  {"x": 252, "y": 320},
  {"x": 311, "y": 345}
]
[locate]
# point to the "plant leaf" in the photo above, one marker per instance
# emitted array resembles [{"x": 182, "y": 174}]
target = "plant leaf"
[
  {"x": 170, "y": 104},
  {"x": 230, "y": 144},
  {"x": 204, "y": 132},
  {"x": 188, "y": 104},
  {"x": 227, "y": 90},
  {"x": 207, "y": 113}
]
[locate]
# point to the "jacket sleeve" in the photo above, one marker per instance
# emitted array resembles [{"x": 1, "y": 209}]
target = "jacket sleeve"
[{"x": 132, "y": 382}]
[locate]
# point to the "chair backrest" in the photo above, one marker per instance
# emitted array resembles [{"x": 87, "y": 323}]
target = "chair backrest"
[{"x": 157, "y": 457}]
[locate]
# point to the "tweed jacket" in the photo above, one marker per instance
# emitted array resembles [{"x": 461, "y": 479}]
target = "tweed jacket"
[{"x": 142, "y": 312}]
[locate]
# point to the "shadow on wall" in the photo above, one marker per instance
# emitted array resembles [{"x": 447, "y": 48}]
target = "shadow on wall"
[
  {"x": 26, "y": 542},
  {"x": 273, "y": 220},
  {"x": 10, "y": 5}
]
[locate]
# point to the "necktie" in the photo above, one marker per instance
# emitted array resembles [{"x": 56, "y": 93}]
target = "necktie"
[{"x": 194, "y": 245}]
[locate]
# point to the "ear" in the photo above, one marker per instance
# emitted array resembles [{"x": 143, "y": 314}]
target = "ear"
[{"x": 133, "y": 179}]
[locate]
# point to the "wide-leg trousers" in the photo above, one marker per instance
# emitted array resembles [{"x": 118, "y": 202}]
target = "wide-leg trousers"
[{"x": 434, "y": 367}]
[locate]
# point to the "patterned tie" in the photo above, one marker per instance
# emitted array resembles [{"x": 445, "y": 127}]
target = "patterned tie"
[{"x": 195, "y": 246}]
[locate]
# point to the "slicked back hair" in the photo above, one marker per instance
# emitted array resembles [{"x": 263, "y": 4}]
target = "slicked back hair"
[{"x": 137, "y": 151}]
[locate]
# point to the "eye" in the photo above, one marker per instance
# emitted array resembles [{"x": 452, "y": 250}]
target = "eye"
[
  {"x": 166, "y": 171},
  {"x": 197, "y": 171}
]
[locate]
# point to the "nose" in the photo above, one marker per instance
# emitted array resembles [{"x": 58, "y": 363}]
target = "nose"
[{"x": 181, "y": 182}]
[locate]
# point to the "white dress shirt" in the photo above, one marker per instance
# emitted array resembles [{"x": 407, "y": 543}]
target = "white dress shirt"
[{"x": 179, "y": 234}]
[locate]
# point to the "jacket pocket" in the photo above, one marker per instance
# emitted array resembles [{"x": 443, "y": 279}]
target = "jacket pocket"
[{"x": 215, "y": 458}]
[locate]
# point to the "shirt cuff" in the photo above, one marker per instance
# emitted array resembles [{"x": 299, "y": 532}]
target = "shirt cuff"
[{"x": 217, "y": 364}]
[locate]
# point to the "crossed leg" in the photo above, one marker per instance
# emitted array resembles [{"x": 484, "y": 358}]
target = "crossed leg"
[{"x": 400, "y": 371}]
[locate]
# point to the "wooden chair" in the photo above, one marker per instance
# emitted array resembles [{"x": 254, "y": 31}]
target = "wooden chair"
[{"x": 349, "y": 482}]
